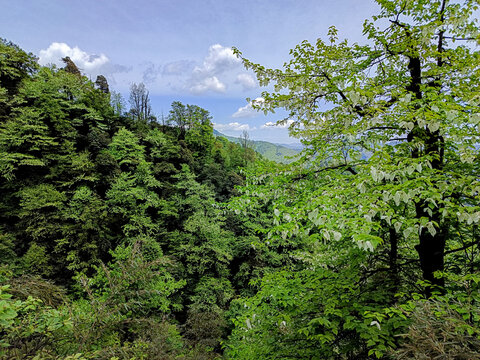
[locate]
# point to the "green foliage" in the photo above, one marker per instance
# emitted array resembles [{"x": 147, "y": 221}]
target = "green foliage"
[
  {"x": 319, "y": 310},
  {"x": 118, "y": 212},
  {"x": 385, "y": 193},
  {"x": 163, "y": 153},
  {"x": 201, "y": 244},
  {"x": 37, "y": 261},
  {"x": 15, "y": 66},
  {"x": 114, "y": 245},
  {"x": 28, "y": 326},
  {"x": 133, "y": 284},
  {"x": 7, "y": 249},
  {"x": 270, "y": 151},
  {"x": 125, "y": 149}
]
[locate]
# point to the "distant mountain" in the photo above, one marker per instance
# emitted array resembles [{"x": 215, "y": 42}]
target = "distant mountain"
[
  {"x": 295, "y": 146},
  {"x": 276, "y": 152}
]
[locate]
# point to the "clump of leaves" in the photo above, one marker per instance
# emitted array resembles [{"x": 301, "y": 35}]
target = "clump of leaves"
[
  {"x": 29, "y": 327},
  {"x": 124, "y": 292}
]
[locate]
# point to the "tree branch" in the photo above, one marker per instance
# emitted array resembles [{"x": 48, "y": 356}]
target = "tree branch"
[
  {"x": 347, "y": 167},
  {"x": 384, "y": 128},
  {"x": 462, "y": 248}
]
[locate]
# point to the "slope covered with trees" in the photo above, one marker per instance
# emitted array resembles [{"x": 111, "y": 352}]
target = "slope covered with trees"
[
  {"x": 112, "y": 233},
  {"x": 271, "y": 151},
  {"x": 122, "y": 237}
]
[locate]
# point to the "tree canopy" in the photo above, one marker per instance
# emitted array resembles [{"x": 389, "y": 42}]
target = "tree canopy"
[
  {"x": 392, "y": 125},
  {"x": 125, "y": 238},
  {"x": 390, "y": 169}
]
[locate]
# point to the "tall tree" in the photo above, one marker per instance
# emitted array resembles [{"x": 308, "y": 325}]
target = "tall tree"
[
  {"x": 386, "y": 193},
  {"x": 102, "y": 84},
  {"x": 399, "y": 132},
  {"x": 15, "y": 66},
  {"x": 70, "y": 66},
  {"x": 245, "y": 139},
  {"x": 139, "y": 100}
]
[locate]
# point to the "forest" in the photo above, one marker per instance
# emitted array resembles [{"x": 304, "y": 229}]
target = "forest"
[{"x": 126, "y": 236}]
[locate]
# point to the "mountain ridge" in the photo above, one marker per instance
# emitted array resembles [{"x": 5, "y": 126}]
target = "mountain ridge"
[{"x": 282, "y": 153}]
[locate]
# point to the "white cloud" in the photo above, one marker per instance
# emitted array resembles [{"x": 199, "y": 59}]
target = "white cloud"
[
  {"x": 205, "y": 78},
  {"x": 247, "y": 81},
  {"x": 218, "y": 60},
  {"x": 89, "y": 64},
  {"x": 248, "y": 110},
  {"x": 283, "y": 124},
  {"x": 210, "y": 83},
  {"x": 233, "y": 126}
]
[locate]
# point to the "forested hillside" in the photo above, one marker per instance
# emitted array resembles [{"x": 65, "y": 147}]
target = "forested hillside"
[
  {"x": 113, "y": 235},
  {"x": 275, "y": 152},
  {"x": 121, "y": 238}
]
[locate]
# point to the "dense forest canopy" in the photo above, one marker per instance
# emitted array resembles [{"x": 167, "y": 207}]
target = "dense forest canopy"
[{"x": 123, "y": 236}]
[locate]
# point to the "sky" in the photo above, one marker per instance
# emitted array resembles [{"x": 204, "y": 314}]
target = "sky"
[{"x": 182, "y": 49}]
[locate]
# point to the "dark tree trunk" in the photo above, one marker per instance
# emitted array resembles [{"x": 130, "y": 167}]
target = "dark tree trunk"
[
  {"x": 393, "y": 259},
  {"x": 431, "y": 247},
  {"x": 431, "y": 251}
]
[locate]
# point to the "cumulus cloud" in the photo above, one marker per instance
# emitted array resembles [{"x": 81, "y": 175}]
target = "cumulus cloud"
[
  {"x": 56, "y": 51},
  {"x": 248, "y": 110},
  {"x": 218, "y": 60},
  {"x": 90, "y": 64},
  {"x": 210, "y": 83},
  {"x": 205, "y": 78},
  {"x": 233, "y": 126},
  {"x": 282, "y": 124},
  {"x": 246, "y": 81}
]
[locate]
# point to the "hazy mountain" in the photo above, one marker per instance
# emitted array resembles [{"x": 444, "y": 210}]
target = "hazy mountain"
[{"x": 276, "y": 152}]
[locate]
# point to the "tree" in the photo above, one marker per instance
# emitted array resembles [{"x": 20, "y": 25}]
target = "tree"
[
  {"x": 386, "y": 192},
  {"x": 70, "y": 66},
  {"x": 48, "y": 146},
  {"x": 139, "y": 100},
  {"x": 15, "y": 66},
  {"x": 177, "y": 117},
  {"x": 399, "y": 133},
  {"x": 102, "y": 84},
  {"x": 133, "y": 196},
  {"x": 186, "y": 117},
  {"x": 245, "y": 139}
]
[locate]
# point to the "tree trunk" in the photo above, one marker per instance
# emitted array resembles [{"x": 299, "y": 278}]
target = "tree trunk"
[
  {"x": 431, "y": 247},
  {"x": 431, "y": 251},
  {"x": 393, "y": 259}
]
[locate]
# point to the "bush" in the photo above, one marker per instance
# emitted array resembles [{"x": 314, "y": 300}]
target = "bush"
[{"x": 439, "y": 331}]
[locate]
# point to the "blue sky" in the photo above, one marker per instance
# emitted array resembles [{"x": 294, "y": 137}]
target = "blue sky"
[{"x": 181, "y": 49}]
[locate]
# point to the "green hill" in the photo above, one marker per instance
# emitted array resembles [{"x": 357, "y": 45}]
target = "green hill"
[{"x": 275, "y": 152}]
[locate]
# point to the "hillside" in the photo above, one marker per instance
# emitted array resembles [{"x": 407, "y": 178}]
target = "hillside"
[{"x": 276, "y": 152}]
